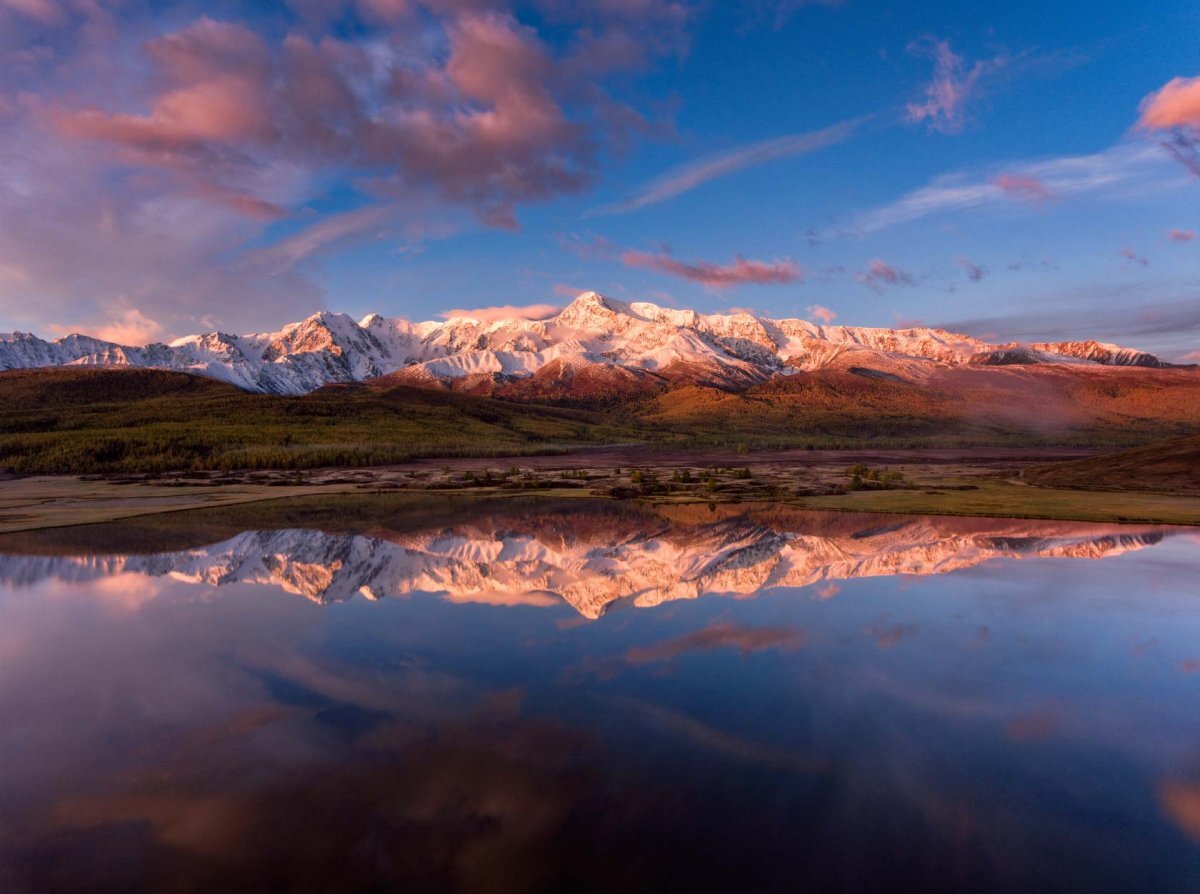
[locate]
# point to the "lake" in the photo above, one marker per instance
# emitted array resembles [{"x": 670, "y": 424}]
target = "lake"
[{"x": 518, "y": 696}]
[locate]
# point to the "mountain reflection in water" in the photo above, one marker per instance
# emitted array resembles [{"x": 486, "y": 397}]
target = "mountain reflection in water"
[
  {"x": 919, "y": 703},
  {"x": 593, "y": 560}
]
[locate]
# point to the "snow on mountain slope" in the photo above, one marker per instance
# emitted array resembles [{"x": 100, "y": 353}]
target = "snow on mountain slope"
[
  {"x": 523, "y": 562},
  {"x": 593, "y": 332}
]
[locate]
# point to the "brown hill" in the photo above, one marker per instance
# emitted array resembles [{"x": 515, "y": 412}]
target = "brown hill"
[
  {"x": 86, "y": 419},
  {"x": 1170, "y": 467}
]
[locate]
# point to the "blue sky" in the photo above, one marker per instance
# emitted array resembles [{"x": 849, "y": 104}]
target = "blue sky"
[{"x": 997, "y": 167}]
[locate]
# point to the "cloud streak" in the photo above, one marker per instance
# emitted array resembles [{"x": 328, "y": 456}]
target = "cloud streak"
[
  {"x": 694, "y": 174},
  {"x": 504, "y": 312},
  {"x": 717, "y": 276},
  {"x": 1124, "y": 167}
]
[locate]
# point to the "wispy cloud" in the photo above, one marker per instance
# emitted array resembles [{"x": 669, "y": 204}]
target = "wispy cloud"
[
  {"x": 953, "y": 85},
  {"x": 1122, "y": 167},
  {"x": 718, "y": 276},
  {"x": 1181, "y": 235},
  {"x": 1113, "y": 310},
  {"x": 689, "y": 176},
  {"x": 292, "y": 250}
]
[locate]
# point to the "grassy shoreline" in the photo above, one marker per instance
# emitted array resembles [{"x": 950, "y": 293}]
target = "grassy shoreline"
[{"x": 33, "y": 504}]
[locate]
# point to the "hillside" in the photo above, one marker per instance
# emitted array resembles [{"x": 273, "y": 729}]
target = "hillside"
[
  {"x": 124, "y": 420},
  {"x": 88, "y": 420},
  {"x": 1170, "y": 467}
]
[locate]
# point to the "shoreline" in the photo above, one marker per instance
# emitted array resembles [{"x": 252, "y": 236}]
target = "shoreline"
[{"x": 973, "y": 482}]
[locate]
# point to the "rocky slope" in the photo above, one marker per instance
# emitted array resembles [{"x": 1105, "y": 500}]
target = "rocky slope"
[
  {"x": 590, "y": 566},
  {"x": 596, "y": 345}
]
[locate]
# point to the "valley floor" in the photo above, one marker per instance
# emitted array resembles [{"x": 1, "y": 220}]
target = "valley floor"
[{"x": 980, "y": 482}]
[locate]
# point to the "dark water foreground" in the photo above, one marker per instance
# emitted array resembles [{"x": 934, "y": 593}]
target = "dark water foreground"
[{"x": 524, "y": 697}]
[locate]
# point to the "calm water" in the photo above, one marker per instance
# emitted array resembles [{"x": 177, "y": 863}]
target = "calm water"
[{"x": 591, "y": 698}]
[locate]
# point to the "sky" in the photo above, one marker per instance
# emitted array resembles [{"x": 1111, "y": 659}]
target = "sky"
[{"x": 1008, "y": 169}]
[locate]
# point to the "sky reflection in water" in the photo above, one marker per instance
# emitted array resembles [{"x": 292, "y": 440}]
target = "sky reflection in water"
[{"x": 603, "y": 699}]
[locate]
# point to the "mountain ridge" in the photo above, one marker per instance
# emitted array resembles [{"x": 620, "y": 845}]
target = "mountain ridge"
[
  {"x": 592, "y": 567},
  {"x": 612, "y": 344}
]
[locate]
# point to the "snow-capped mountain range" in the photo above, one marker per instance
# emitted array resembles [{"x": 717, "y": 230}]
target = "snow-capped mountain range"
[
  {"x": 601, "y": 338},
  {"x": 590, "y": 566}
]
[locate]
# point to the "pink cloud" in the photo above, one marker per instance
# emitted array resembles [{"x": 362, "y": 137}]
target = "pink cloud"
[
  {"x": 1023, "y": 186},
  {"x": 1190, "y": 357},
  {"x": 1181, "y": 235},
  {"x": 880, "y": 273},
  {"x": 505, "y": 312},
  {"x": 1174, "y": 111},
  {"x": 952, "y": 86},
  {"x": 822, "y": 313},
  {"x": 45, "y": 12},
  {"x": 564, "y": 291},
  {"x": 717, "y": 276},
  {"x": 153, "y": 148},
  {"x": 492, "y": 121},
  {"x": 129, "y": 327},
  {"x": 1175, "y": 104}
]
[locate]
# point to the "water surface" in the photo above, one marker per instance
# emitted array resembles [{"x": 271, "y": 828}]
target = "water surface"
[{"x": 534, "y": 697}]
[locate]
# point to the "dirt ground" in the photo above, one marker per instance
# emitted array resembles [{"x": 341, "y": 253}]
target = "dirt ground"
[{"x": 943, "y": 481}]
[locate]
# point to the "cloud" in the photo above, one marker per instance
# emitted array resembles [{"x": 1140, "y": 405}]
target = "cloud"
[
  {"x": 880, "y": 273},
  {"x": 46, "y": 12},
  {"x": 740, "y": 272},
  {"x": 1120, "y": 170},
  {"x": 689, "y": 176},
  {"x": 1181, "y": 235},
  {"x": 1112, "y": 310},
  {"x": 975, "y": 273},
  {"x": 1180, "y": 801},
  {"x": 1189, "y": 357},
  {"x": 718, "y": 636},
  {"x": 1022, "y": 186},
  {"x": 290, "y": 251},
  {"x": 564, "y": 291},
  {"x": 163, "y": 152},
  {"x": 1175, "y": 104},
  {"x": 1174, "y": 110},
  {"x": 821, "y": 313},
  {"x": 776, "y": 14},
  {"x": 504, "y": 312},
  {"x": 483, "y": 125},
  {"x": 128, "y": 326},
  {"x": 1132, "y": 259},
  {"x": 952, "y": 86}
]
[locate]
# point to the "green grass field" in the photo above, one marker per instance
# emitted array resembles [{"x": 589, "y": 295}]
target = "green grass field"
[
  {"x": 1004, "y": 499},
  {"x": 150, "y": 421}
]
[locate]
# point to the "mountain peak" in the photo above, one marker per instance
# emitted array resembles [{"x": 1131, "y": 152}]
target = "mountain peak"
[{"x": 602, "y": 337}]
